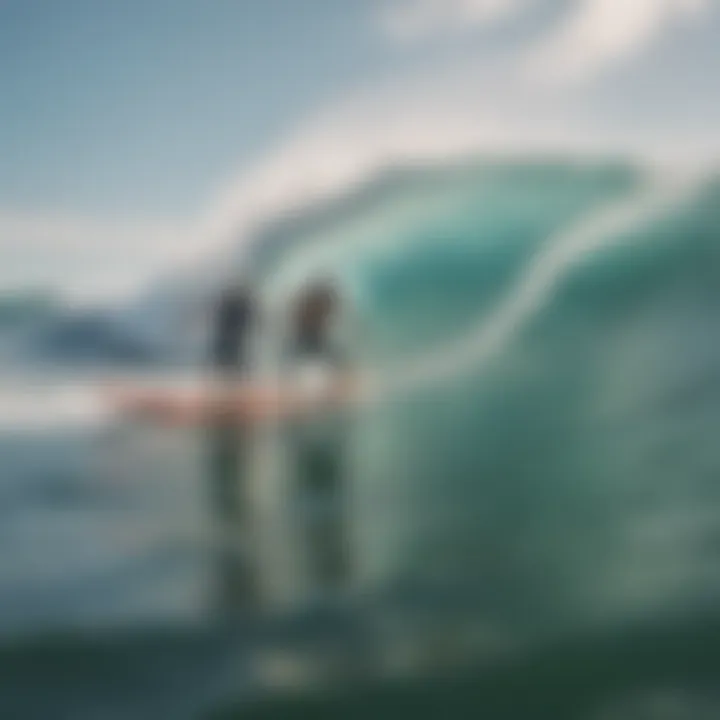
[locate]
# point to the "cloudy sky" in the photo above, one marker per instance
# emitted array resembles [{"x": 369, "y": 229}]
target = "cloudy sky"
[{"x": 142, "y": 133}]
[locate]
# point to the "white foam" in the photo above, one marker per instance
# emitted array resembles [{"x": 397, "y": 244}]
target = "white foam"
[
  {"x": 45, "y": 408},
  {"x": 71, "y": 405}
]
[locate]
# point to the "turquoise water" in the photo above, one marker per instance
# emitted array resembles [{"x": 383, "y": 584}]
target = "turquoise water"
[
  {"x": 568, "y": 477},
  {"x": 548, "y": 473}
]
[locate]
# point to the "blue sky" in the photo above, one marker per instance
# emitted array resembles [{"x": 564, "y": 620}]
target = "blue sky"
[
  {"x": 139, "y": 106},
  {"x": 138, "y": 132}
]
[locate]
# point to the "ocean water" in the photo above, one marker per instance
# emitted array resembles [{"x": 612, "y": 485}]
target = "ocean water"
[{"x": 533, "y": 483}]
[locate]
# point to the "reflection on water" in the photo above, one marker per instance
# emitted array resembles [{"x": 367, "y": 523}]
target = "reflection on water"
[
  {"x": 313, "y": 511},
  {"x": 236, "y": 579}
]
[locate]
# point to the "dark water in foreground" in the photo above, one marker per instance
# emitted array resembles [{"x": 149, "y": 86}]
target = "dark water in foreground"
[{"x": 536, "y": 536}]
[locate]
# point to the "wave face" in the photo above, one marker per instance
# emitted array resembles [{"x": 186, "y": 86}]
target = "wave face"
[{"x": 552, "y": 325}]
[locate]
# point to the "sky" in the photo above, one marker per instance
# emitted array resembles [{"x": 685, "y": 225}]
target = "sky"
[{"x": 139, "y": 134}]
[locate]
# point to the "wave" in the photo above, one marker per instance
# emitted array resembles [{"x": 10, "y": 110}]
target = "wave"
[
  {"x": 394, "y": 219},
  {"x": 559, "y": 256}
]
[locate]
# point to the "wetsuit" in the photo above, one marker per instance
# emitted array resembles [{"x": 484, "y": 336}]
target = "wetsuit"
[
  {"x": 317, "y": 465},
  {"x": 227, "y": 461}
]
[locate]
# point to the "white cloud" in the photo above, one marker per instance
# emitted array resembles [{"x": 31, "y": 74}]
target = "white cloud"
[
  {"x": 336, "y": 153},
  {"x": 593, "y": 35},
  {"x": 411, "y": 20},
  {"x": 83, "y": 258},
  {"x": 598, "y": 34},
  {"x": 356, "y": 142},
  {"x": 90, "y": 259}
]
